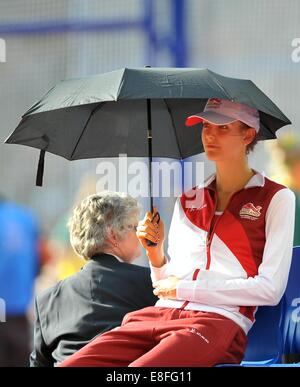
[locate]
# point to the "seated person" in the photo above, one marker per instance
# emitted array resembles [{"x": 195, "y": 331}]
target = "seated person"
[
  {"x": 230, "y": 249},
  {"x": 94, "y": 300}
]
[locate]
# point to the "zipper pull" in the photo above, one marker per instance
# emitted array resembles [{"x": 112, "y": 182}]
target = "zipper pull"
[{"x": 207, "y": 243}]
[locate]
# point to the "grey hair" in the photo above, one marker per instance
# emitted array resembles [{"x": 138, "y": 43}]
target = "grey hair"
[{"x": 96, "y": 216}]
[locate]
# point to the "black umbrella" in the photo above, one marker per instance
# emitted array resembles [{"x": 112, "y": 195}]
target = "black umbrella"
[{"x": 138, "y": 112}]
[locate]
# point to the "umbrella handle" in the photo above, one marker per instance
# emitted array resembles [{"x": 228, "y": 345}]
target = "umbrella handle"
[{"x": 150, "y": 243}]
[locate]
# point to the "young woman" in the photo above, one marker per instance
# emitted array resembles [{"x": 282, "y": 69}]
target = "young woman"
[{"x": 230, "y": 247}]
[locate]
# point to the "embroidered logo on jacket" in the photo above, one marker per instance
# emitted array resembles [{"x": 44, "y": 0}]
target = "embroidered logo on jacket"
[{"x": 249, "y": 211}]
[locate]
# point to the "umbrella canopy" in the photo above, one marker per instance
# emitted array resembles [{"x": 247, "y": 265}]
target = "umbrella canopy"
[{"x": 118, "y": 112}]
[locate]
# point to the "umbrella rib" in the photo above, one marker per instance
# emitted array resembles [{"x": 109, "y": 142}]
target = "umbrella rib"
[
  {"x": 85, "y": 126},
  {"x": 270, "y": 131},
  {"x": 174, "y": 127},
  {"x": 220, "y": 85}
]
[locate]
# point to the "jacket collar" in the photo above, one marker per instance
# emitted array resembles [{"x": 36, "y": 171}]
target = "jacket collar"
[
  {"x": 257, "y": 180},
  {"x": 105, "y": 256}
]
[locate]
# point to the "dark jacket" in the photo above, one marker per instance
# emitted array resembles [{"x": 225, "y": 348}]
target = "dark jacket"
[{"x": 93, "y": 301}]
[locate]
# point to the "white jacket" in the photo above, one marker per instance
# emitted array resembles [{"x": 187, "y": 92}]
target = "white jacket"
[{"x": 242, "y": 262}]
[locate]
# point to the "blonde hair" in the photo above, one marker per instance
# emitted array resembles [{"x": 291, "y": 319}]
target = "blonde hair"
[{"x": 96, "y": 216}]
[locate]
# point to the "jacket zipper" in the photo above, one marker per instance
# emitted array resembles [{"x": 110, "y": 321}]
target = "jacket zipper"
[
  {"x": 209, "y": 237},
  {"x": 210, "y": 234},
  {"x": 196, "y": 272}
]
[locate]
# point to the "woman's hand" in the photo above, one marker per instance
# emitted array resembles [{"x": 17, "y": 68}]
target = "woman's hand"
[
  {"x": 154, "y": 232},
  {"x": 166, "y": 288}
]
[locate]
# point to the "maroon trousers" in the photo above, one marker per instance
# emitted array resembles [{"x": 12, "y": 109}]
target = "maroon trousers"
[{"x": 165, "y": 337}]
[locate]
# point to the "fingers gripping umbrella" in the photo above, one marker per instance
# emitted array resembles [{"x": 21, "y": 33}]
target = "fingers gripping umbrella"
[{"x": 138, "y": 112}]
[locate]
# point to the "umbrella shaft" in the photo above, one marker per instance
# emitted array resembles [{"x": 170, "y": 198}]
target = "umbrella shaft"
[{"x": 149, "y": 135}]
